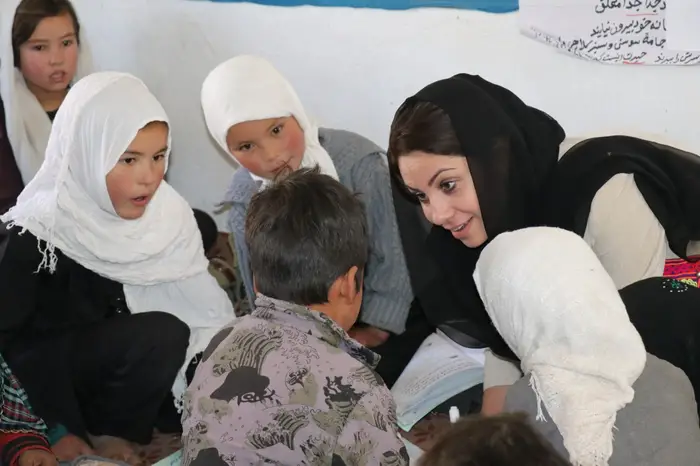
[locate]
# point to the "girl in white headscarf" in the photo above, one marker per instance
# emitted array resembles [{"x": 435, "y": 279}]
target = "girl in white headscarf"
[
  {"x": 256, "y": 117},
  {"x": 106, "y": 294},
  {"x": 588, "y": 377},
  {"x": 42, "y": 52}
]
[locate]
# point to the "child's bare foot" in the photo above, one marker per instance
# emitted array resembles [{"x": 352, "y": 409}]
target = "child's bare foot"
[{"x": 115, "y": 448}]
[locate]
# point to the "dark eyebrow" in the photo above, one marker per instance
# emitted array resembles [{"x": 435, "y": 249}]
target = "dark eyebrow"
[
  {"x": 276, "y": 123},
  {"x": 40, "y": 40},
  {"x": 432, "y": 178},
  {"x": 133, "y": 152}
]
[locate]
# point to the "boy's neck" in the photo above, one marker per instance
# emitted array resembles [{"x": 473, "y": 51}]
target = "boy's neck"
[{"x": 333, "y": 313}]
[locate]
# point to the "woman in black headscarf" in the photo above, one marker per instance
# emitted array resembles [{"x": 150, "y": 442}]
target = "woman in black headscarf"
[{"x": 480, "y": 162}]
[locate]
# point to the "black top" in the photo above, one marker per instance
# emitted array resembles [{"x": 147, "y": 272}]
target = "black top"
[
  {"x": 40, "y": 306},
  {"x": 10, "y": 178}
]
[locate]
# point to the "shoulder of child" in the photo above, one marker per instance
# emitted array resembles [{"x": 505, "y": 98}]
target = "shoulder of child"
[
  {"x": 661, "y": 380},
  {"x": 242, "y": 187},
  {"x": 346, "y": 144}
]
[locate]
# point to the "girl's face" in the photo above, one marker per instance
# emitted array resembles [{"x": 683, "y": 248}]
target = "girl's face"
[
  {"x": 48, "y": 60},
  {"x": 445, "y": 189},
  {"x": 135, "y": 178},
  {"x": 265, "y": 147}
]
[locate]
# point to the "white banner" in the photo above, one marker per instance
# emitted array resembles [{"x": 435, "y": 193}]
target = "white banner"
[{"x": 632, "y": 32}]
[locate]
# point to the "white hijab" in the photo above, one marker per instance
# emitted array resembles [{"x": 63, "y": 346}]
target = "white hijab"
[
  {"x": 159, "y": 258},
  {"x": 248, "y": 88},
  {"x": 28, "y": 125},
  {"x": 561, "y": 314}
]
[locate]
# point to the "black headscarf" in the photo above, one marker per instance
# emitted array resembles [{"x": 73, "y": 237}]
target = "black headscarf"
[{"x": 512, "y": 149}]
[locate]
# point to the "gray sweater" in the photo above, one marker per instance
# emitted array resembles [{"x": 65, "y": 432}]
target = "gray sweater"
[
  {"x": 362, "y": 167},
  {"x": 658, "y": 428}
]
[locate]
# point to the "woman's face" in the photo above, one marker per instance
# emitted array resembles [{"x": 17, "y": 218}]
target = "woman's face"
[
  {"x": 445, "y": 189},
  {"x": 48, "y": 60},
  {"x": 265, "y": 147},
  {"x": 137, "y": 175}
]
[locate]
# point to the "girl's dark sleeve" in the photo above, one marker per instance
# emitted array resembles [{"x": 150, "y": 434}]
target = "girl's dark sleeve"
[
  {"x": 18, "y": 284},
  {"x": 10, "y": 177}
]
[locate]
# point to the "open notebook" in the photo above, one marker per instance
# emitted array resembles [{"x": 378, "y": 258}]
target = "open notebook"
[{"x": 439, "y": 370}]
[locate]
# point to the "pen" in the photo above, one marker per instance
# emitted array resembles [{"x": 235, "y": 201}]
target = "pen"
[{"x": 454, "y": 414}]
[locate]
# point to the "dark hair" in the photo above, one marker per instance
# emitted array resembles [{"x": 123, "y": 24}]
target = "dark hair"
[
  {"x": 30, "y": 13},
  {"x": 304, "y": 232},
  {"x": 420, "y": 126},
  {"x": 207, "y": 228},
  {"x": 504, "y": 440}
]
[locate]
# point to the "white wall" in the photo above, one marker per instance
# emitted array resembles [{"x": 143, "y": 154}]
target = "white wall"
[{"x": 352, "y": 68}]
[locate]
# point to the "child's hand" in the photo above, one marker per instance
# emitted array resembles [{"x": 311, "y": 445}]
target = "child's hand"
[
  {"x": 37, "y": 457},
  {"x": 70, "y": 447},
  {"x": 369, "y": 336}
]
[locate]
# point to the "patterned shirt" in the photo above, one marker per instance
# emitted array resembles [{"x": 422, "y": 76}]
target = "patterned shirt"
[
  {"x": 287, "y": 386},
  {"x": 20, "y": 429}
]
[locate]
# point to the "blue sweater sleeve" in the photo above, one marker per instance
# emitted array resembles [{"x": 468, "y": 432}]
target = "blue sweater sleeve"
[{"x": 387, "y": 288}]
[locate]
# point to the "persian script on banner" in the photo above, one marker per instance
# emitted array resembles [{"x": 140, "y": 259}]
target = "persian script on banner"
[{"x": 610, "y": 31}]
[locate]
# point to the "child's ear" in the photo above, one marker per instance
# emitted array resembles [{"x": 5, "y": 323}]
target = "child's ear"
[
  {"x": 255, "y": 286},
  {"x": 345, "y": 287}
]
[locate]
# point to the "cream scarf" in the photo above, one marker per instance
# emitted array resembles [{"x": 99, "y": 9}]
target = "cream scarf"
[{"x": 561, "y": 314}]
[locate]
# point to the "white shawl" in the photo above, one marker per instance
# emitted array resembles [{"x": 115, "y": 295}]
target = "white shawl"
[
  {"x": 559, "y": 311},
  {"x": 248, "y": 88},
  {"x": 28, "y": 125},
  {"x": 159, "y": 258}
]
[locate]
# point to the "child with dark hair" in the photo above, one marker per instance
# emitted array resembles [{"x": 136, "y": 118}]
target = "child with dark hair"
[
  {"x": 42, "y": 54},
  {"x": 504, "y": 440},
  {"x": 286, "y": 384}
]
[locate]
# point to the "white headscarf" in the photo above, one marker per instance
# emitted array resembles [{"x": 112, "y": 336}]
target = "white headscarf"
[
  {"x": 561, "y": 314},
  {"x": 28, "y": 125},
  {"x": 248, "y": 88},
  {"x": 159, "y": 257}
]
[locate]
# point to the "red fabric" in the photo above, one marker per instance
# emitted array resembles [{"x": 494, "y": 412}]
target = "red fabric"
[
  {"x": 12, "y": 445},
  {"x": 682, "y": 270}
]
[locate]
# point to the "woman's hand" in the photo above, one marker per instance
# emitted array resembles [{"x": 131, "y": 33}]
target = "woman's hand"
[
  {"x": 369, "y": 336},
  {"x": 37, "y": 457},
  {"x": 494, "y": 400},
  {"x": 70, "y": 447}
]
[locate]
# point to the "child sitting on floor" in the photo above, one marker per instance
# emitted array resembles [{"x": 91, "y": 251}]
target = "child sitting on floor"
[
  {"x": 286, "y": 384},
  {"x": 504, "y": 440}
]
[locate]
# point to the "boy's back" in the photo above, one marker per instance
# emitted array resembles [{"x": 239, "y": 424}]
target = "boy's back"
[
  {"x": 289, "y": 386},
  {"x": 286, "y": 385}
]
